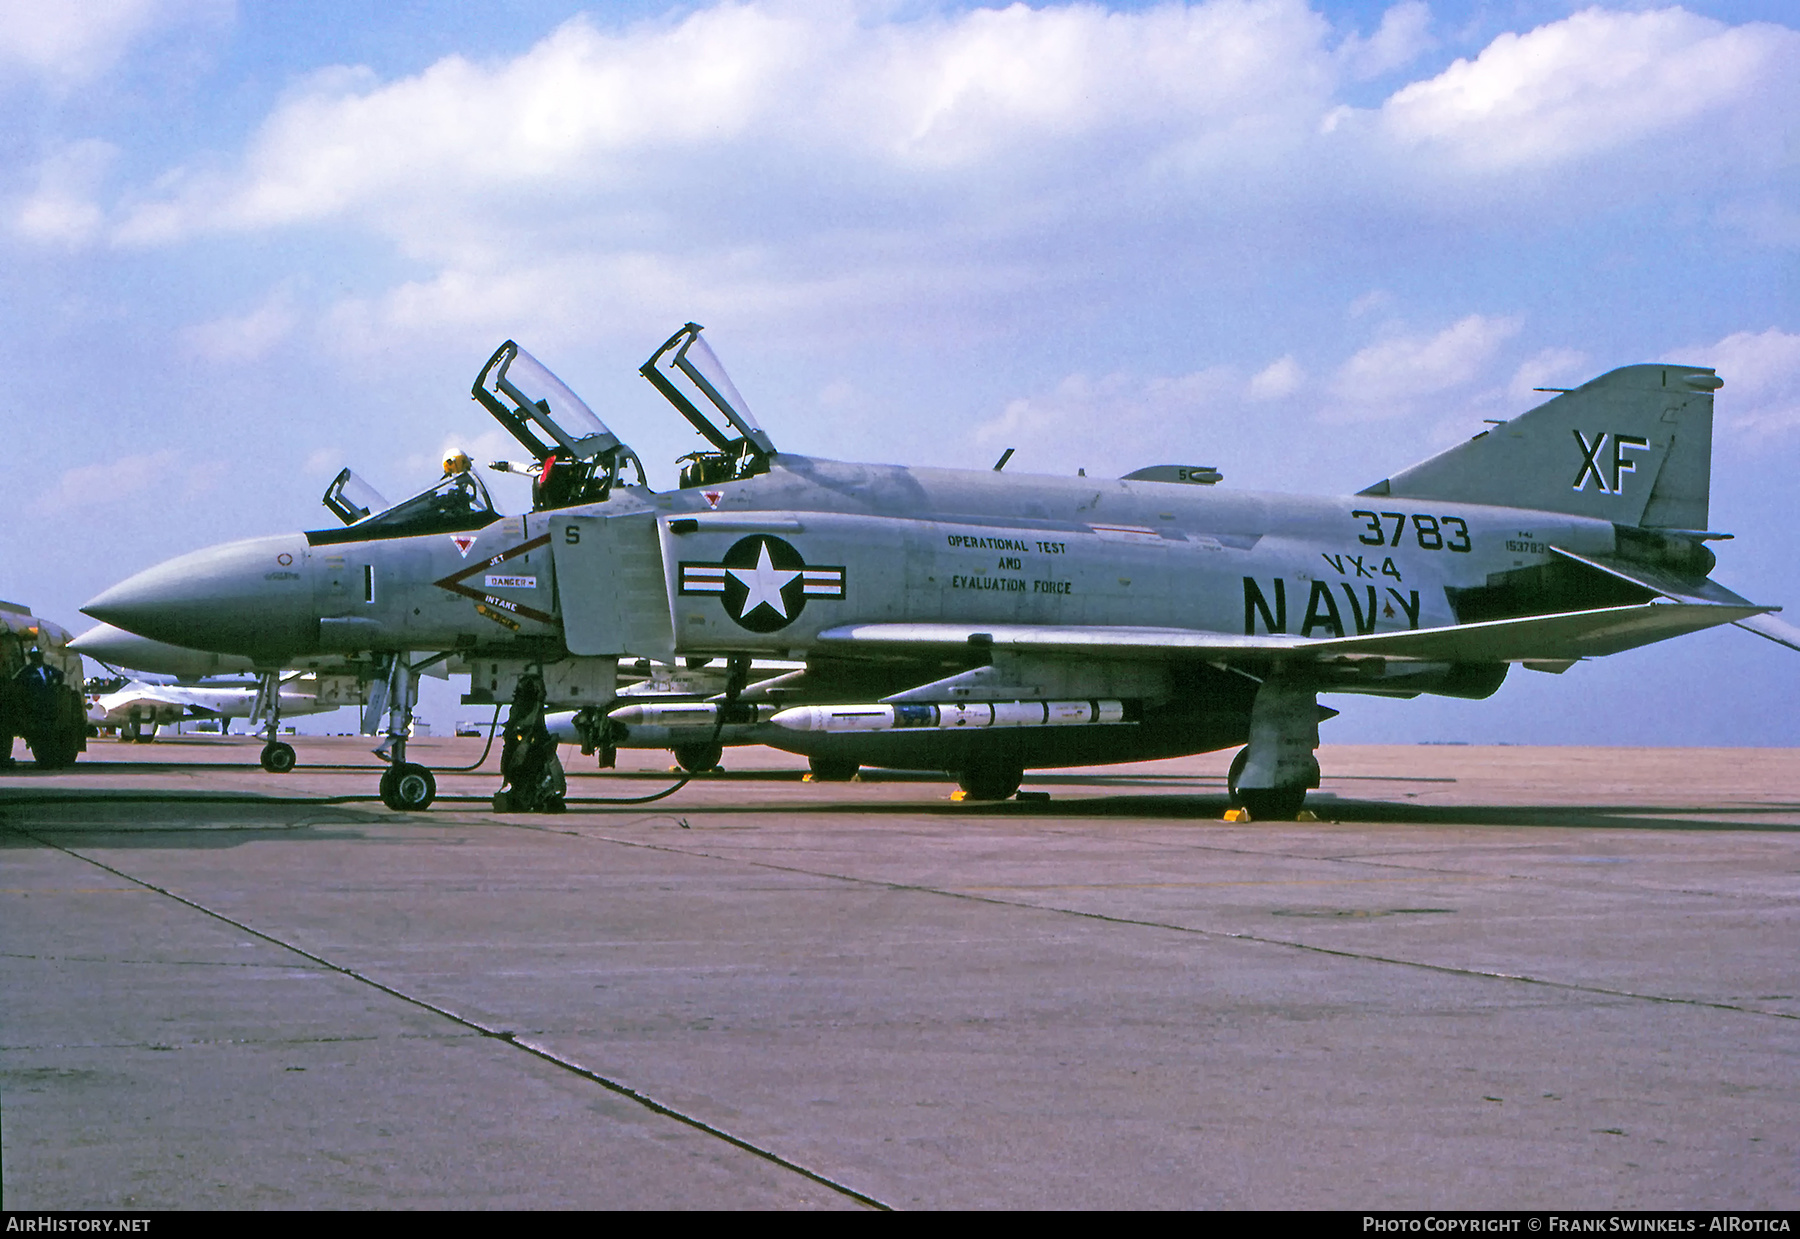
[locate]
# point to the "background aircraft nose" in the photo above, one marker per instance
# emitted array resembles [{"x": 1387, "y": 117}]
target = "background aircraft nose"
[{"x": 251, "y": 597}]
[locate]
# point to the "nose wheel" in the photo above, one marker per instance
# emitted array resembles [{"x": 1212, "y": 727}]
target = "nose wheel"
[
  {"x": 277, "y": 755},
  {"x": 407, "y": 787}
]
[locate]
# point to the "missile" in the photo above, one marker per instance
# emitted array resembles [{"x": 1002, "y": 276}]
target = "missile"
[
  {"x": 689, "y": 714},
  {"x": 950, "y": 717}
]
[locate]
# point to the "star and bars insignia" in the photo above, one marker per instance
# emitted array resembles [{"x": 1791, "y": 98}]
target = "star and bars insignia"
[{"x": 763, "y": 582}]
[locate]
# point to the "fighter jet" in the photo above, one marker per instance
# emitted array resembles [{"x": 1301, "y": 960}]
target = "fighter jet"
[
  {"x": 983, "y": 622},
  {"x": 138, "y": 708}
]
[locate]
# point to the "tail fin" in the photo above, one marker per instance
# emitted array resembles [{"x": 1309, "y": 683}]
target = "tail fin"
[{"x": 1633, "y": 446}]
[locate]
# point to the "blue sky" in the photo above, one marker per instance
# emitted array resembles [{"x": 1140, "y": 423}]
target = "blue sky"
[{"x": 242, "y": 246}]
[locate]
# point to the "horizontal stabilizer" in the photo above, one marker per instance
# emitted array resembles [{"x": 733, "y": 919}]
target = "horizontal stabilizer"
[
  {"x": 1778, "y": 631},
  {"x": 1570, "y": 635},
  {"x": 1660, "y": 581}
]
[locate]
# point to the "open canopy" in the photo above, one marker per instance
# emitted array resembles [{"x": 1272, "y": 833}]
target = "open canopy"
[
  {"x": 458, "y": 502},
  {"x": 690, "y": 376}
]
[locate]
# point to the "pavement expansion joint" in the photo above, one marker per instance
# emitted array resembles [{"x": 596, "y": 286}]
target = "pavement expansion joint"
[
  {"x": 510, "y": 1038},
  {"x": 1260, "y": 939}
]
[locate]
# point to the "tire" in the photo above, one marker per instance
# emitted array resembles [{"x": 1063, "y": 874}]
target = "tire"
[
  {"x": 278, "y": 758},
  {"x": 409, "y": 788},
  {"x": 1273, "y": 804},
  {"x": 54, "y": 752},
  {"x": 832, "y": 769},
  {"x": 990, "y": 781},
  {"x": 698, "y": 758},
  {"x": 1266, "y": 804},
  {"x": 1237, "y": 772}
]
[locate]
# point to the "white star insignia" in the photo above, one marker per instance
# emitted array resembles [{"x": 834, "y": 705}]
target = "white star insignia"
[{"x": 764, "y": 583}]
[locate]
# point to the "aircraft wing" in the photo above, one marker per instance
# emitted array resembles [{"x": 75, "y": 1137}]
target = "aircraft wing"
[{"x": 1569, "y": 635}]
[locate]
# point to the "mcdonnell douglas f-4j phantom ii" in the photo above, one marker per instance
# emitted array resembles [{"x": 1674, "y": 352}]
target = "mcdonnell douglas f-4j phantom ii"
[{"x": 981, "y": 622}]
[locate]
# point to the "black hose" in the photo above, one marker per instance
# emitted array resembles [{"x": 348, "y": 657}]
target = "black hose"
[
  {"x": 485, "y": 750},
  {"x": 667, "y": 791}
]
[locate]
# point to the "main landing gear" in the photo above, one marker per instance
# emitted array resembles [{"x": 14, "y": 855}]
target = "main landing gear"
[
  {"x": 990, "y": 780},
  {"x": 277, "y": 755},
  {"x": 1271, "y": 775},
  {"x": 405, "y": 786}
]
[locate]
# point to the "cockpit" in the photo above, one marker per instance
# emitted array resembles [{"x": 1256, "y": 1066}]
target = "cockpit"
[
  {"x": 577, "y": 459},
  {"x": 690, "y": 377},
  {"x": 457, "y": 503}
]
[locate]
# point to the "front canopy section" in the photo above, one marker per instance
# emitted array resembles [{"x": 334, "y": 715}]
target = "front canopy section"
[
  {"x": 351, "y": 499},
  {"x": 690, "y": 377},
  {"x": 577, "y": 458},
  {"x": 457, "y": 503}
]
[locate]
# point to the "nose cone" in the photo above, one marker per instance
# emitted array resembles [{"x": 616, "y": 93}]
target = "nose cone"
[
  {"x": 118, "y": 648},
  {"x": 252, "y": 598}
]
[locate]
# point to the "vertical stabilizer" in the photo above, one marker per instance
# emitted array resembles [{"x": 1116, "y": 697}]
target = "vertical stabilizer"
[{"x": 1633, "y": 446}]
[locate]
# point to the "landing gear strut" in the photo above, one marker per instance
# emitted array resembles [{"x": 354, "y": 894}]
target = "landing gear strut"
[
  {"x": 277, "y": 756},
  {"x": 406, "y": 786},
  {"x": 1272, "y": 774}
]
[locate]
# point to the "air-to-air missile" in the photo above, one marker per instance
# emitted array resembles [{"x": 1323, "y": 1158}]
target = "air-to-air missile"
[{"x": 983, "y": 622}]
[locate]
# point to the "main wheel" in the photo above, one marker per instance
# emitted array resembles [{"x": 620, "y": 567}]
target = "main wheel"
[
  {"x": 278, "y": 758},
  {"x": 1272, "y": 804},
  {"x": 54, "y": 752},
  {"x": 408, "y": 788},
  {"x": 990, "y": 781},
  {"x": 698, "y": 758},
  {"x": 1269, "y": 804},
  {"x": 832, "y": 769}
]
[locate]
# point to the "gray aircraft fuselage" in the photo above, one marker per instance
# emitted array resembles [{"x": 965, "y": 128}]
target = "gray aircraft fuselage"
[{"x": 894, "y": 544}]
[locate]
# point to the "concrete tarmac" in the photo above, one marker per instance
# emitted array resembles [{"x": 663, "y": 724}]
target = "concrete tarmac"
[{"x": 1488, "y": 977}]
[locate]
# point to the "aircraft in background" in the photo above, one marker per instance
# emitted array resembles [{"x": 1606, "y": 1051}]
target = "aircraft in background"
[
  {"x": 138, "y": 708},
  {"x": 980, "y": 622}
]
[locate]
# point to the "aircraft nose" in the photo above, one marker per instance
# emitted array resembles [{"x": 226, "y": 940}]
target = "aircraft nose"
[
  {"x": 105, "y": 643},
  {"x": 250, "y": 597}
]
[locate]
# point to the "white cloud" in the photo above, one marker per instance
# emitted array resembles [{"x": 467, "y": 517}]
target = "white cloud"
[
  {"x": 1111, "y": 424},
  {"x": 1551, "y": 367},
  {"x": 649, "y": 134},
  {"x": 166, "y": 476},
  {"x": 1403, "y": 36},
  {"x": 821, "y": 169},
  {"x": 1385, "y": 378},
  {"x": 247, "y": 337},
  {"x": 62, "y": 210},
  {"x": 69, "y": 42},
  {"x": 1593, "y": 81},
  {"x": 1762, "y": 380},
  {"x": 1278, "y": 379}
]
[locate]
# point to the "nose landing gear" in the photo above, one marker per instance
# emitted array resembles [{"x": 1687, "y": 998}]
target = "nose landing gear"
[
  {"x": 405, "y": 786},
  {"x": 277, "y": 756}
]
